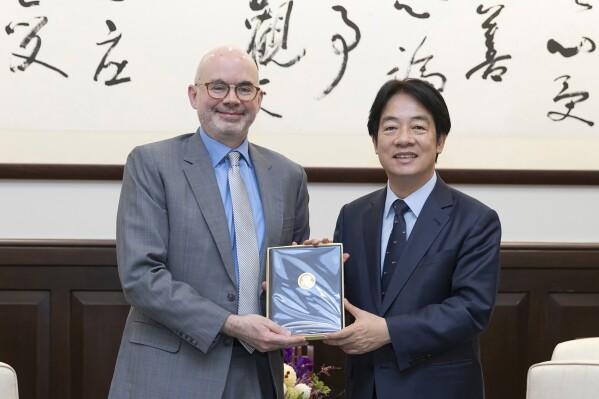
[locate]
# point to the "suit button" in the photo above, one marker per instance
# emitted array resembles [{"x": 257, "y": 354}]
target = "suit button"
[
  {"x": 231, "y": 296},
  {"x": 227, "y": 341},
  {"x": 370, "y": 366}
]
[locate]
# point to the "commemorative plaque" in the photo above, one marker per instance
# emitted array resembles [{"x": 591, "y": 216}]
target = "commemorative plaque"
[{"x": 304, "y": 287}]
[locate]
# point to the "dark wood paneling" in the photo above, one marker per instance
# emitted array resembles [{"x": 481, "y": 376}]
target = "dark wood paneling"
[
  {"x": 505, "y": 340},
  {"x": 572, "y": 315},
  {"x": 25, "y": 338},
  {"x": 57, "y": 268},
  {"x": 65, "y": 312},
  {"x": 323, "y": 175},
  {"x": 97, "y": 320},
  {"x": 58, "y": 252},
  {"x": 60, "y": 171}
]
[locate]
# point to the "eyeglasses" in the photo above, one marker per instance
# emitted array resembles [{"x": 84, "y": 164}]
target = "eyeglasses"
[{"x": 218, "y": 90}]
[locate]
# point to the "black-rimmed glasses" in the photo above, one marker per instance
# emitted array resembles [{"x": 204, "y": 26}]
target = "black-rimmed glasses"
[{"x": 219, "y": 90}]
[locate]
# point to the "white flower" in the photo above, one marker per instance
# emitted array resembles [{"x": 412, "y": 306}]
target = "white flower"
[
  {"x": 303, "y": 390},
  {"x": 289, "y": 376}
]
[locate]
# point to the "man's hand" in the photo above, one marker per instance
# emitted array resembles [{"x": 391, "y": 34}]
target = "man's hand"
[
  {"x": 316, "y": 241},
  {"x": 260, "y": 332},
  {"x": 369, "y": 332}
]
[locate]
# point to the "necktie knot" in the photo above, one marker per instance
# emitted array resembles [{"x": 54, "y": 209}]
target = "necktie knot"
[
  {"x": 234, "y": 158},
  {"x": 400, "y": 207}
]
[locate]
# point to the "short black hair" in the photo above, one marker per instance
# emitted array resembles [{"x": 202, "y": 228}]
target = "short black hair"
[{"x": 422, "y": 91}]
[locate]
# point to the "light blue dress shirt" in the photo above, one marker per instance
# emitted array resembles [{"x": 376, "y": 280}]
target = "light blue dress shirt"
[
  {"x": 415, "y": 201},
  {"x": 218, "y": 155}
]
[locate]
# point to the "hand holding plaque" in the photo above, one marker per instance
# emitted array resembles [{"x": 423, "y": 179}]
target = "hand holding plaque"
[{"x": 304, "y": 287}]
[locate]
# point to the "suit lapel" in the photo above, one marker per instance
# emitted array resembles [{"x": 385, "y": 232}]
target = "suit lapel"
[
  {"x": 372, "y": 221},
  {"x": 200, "y": 175},
  {"x": 271, "y": 194},
  {"x": 433, "y": 217}
]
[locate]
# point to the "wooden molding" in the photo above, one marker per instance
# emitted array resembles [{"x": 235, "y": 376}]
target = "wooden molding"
[
  {"x": 83, "y": 252},
  {"x": 323, "y": 175}
]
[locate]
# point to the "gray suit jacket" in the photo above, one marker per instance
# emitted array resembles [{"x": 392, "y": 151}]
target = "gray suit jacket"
[{"x": 176, "y": 265}]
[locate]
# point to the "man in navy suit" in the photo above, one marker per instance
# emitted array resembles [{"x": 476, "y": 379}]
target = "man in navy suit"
[{"x": 418, "y": 319}]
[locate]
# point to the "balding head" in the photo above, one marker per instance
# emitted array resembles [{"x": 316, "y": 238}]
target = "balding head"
[{"x": 225, "y": 54}]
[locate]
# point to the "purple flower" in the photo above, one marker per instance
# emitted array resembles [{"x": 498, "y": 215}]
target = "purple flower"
[
  {"x": 303, "y": 366},
  {"x": 288, "y": 355}
]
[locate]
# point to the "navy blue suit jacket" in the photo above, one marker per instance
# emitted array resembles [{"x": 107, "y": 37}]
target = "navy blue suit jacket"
[{"x": 439, "y": 301}]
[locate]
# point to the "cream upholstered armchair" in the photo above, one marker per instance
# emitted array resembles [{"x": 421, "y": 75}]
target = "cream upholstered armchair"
[
  {"x": 572, "y": 372},
  {"x": 8, "y": 382}
]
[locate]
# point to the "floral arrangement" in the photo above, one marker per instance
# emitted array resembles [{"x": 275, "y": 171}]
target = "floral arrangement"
[{"x": 300, "y": 380}]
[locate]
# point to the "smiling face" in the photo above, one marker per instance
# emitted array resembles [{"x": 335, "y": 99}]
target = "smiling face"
[
  {"x": 226, "y": 120},
  {"x": 407, "y": 144}
]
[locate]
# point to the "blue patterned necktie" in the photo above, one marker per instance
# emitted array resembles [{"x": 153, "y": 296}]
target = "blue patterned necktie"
[
  {"x": 395, "y": 245},
  {"x": 248, "y": 258}
]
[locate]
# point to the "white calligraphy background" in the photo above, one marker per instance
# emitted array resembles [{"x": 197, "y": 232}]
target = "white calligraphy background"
[{"x": 45, "y": 117}]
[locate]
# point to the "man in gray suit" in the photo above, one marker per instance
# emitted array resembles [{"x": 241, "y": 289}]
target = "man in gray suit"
[{"x": 177, "y": 250}]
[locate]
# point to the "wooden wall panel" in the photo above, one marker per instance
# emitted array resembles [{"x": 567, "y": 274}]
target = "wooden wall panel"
[
  {"x": 25, "y": 338},
  {"x": 503, "y": 346},
  {"x": 97, "y": 320},
  {"x": 572, "y": 315}
]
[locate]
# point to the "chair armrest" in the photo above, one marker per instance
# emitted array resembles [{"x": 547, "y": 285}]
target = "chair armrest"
[
  {"x": 563, "y": 379},
  {"x": 8, "y": 382},
  {"x": 585, "y": 348}
]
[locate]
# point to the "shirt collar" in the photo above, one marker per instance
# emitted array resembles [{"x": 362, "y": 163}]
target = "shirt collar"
[
  {"x": 218, "y": 151},
  {"x": 415, "y": 200}
]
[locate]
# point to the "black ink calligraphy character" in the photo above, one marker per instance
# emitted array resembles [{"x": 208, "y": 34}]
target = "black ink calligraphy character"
[
  {"x": 575, "y": 97},
  {"x": 491, "y": 55},
  {"x": 345, "y": 48},
  {"x": 256, "y": 5},
  {"x": 119, "y": 65},
  {"x": 424, "y": 61},
  {"x": 270, "y": 34},
  {"x": 273, "y": 114},
  {"x": 31, "y": 38},
  {"x": 25, "y": 3},
  {"x": 269, "y": 38},
  {"x": 586, "y": 45},
  {"x": 585, "y": 5},
  {"x": 409, "y": 10}
]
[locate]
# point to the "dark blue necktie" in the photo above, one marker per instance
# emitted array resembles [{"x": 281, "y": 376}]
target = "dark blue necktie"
[{"x": 397, "y": 241}]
